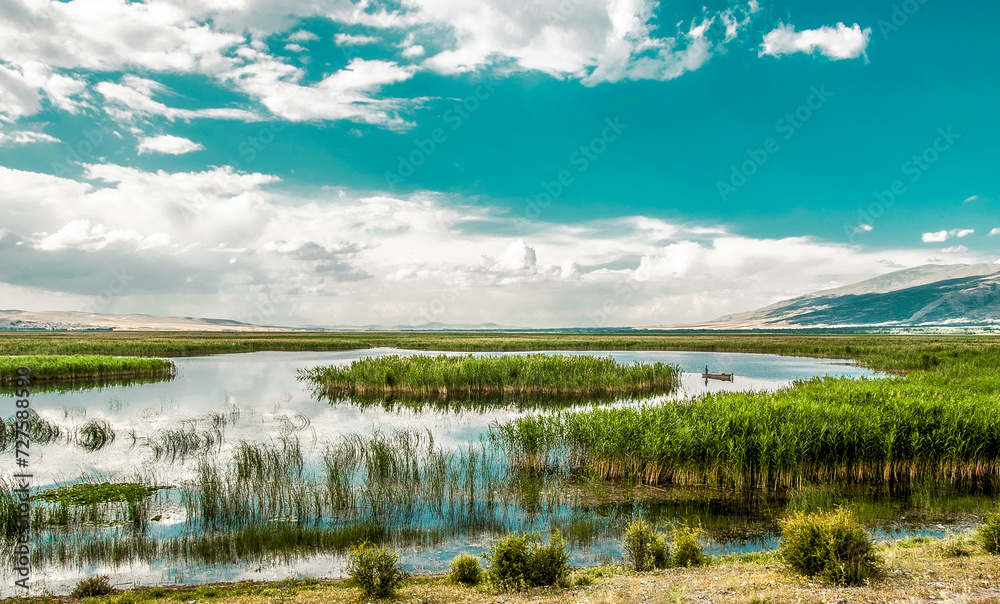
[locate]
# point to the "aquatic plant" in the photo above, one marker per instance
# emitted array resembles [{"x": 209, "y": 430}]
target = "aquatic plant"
[{"x": 509, "y": 375}]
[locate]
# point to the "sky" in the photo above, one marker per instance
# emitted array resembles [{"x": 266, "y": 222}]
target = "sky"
[{"x": 546, "y": 163}]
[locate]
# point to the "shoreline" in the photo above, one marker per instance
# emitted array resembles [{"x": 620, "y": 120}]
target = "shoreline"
[{"x": 918, "y": 569}]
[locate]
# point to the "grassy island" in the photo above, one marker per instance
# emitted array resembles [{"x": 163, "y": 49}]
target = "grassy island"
[
  {"x": 513, "y": 374},
  {"x": 45, "y": 367}
]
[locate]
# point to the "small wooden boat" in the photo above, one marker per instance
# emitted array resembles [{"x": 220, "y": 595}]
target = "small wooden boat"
[{"x": 724, "y": 377}]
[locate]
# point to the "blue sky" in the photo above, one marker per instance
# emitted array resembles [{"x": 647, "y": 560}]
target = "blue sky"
[{"x": 546, "y": 163}]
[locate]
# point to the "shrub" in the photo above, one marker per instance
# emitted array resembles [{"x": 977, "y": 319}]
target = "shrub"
[
  {"x": 989, "y": 534},
  {"x": 549, "y": 564},
  {"x": 93, "y": 586},
  {"x": 508, "y": 558},
  {"x": 517, "y": 561},
  {"x": 645, "y": 548},
  {"x": 829, "y": 545},
  {"x": 465, "y": 569},
  {"x": 687, "y": 549},
  {"x": 375, "y": 571}
]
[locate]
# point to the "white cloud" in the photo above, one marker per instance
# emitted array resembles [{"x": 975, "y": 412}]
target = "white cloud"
[
  {"x": 81, "y": 235},
  {"x": 215, "y": 242},
  {"x": 412, "y": 52},
  {"x": 22, "y": 88},
  {"x": 955, "y": 249},
  {"x": 935, "y": 237},
  {"x": 840, "y": 42},
  {"x": 960, "y": 233},
  {"x": 24, "y": 137},
  {"x": 347, "y": 94},
  {"x": 994, "y": 232},
  {"x": 863, "y": 228},
  {"x": 295, "y": 48},
  {"x": 972, "y": 198},
  {"x": 302, "y": 35},
  {"x": 170, "y": 145},
  {"x": 354, "y": 40},
  {"x": 133, "y": 96}
]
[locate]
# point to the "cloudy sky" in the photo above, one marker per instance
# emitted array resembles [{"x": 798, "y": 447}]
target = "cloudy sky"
[{"x": 540, "y": 163}]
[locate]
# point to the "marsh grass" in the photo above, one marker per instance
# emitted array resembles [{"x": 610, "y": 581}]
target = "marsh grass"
[
  {"x": 46, "y": 367},
  {"x": 445, "y": 376},
  {"x": 942, "y": 426}
]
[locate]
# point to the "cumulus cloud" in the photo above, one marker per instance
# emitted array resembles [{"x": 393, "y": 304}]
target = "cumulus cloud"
[
  {"x": 995, "y": 231},
  {"x": 863, "y": 228},
  {"x": 354, "y": 40},
  {"x": 167, "y": 144},
  {"x": 840, "y": 42},
  {"x": 222, "y": 239},
  {"x": 955, "y": 249},
  {"x": 24, "y": 137},
  {"x": 942, "y": 236}
]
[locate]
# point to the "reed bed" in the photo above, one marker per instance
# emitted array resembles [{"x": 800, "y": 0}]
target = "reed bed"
[
  {"x": 942, "y": 425},
  {"x": 83, "y": 367},
  {"x": 880, "y": 352},
  {"x": 505, "y": 375}
]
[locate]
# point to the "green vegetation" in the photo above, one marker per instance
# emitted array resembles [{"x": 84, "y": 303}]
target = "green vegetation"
[
  {"x": 687, "y": 546},
  {"x": 93, "y": 586},
  {"x": 645, "y": 547},
  {"x": 375, "y": 571},
  {"x": 513, "y": 374},
  {"x": 82, "y": 366},
  {"x": 880, "y": 352},
  {"x": 829, "y": 545},
  {"x": 989, "y": 534},
  {"x": 941, "y": 425},
  {"x": 465, "y": 569},
  {"x": 518, "y": 561},
  {"x": 91, "y": 493}
]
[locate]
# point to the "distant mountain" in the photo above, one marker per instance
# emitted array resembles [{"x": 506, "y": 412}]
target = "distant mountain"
[
  {"x": 23, "y": 320},
  {"x": 958, "y": 295}
]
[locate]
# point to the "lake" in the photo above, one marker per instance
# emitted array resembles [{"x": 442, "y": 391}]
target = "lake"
[{"x": 165, "y": 432}]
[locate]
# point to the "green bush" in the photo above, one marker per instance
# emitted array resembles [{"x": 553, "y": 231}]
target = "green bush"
[
  {"x": 829, "y": 545},
  {"x": 518, "y": 561},
  {"x": 687, "y": 549},
  {"x": 989, "y": 534},
  {"x": 375, "y": 571},
  {"x": 465, "y": 569},
  {"x": 645, "y": 548},
  {"x": 93, "y": 586},
  {"x": 549, "y": 564}
]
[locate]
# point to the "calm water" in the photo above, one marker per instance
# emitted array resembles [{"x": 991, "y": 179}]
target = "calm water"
[{"x": 262, "y": 390}]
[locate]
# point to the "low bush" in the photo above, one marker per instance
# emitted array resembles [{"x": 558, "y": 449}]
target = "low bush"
[
  {"x": 645, "y": 547},
  {"x": 829, "y": 545},
  {"x": 93, "y": 586},
  {"x": 989, "y": 534},
  {"x": 518, "y": 560},
  {"x": 686, "y": 546},
  {"x": 465, "y": 569},
  {"x": 375, "y": 571}
]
